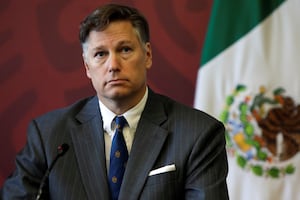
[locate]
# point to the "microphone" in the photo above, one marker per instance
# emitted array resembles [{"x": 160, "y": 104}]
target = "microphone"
[{"x": 61, "y": 150}]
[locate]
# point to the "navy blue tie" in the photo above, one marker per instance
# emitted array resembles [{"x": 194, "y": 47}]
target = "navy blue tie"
[{"x": 118, "y": 158}]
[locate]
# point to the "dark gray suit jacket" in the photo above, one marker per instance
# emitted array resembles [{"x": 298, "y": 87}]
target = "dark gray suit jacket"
[{"x": 168, "y": 133}]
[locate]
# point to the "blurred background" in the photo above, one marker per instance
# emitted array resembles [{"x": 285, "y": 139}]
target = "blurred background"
[{"x": 41, "y": 67}]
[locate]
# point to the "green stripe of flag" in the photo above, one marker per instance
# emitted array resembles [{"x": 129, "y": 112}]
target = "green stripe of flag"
[{"x": 230, "y": 20}]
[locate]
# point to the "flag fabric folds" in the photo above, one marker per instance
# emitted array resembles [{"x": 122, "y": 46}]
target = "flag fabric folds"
[{"x": 249, "y": 78}]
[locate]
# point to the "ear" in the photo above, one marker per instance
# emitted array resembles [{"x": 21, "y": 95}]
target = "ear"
[
  {"x": 87, "y": 69},
  {"x": 148, "y": 55}
]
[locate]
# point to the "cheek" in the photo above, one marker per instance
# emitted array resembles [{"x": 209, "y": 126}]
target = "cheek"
[
  {"x": 96, "y": 80},
  {"x": 94, "y": 74}
]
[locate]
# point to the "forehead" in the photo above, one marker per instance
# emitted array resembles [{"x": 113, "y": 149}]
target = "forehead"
[{"x": 115, "y": 32}]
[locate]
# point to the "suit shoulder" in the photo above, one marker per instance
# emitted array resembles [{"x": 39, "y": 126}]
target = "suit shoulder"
[
  {"x": 69, "y": 111},
  {"x": 183, "y": 111}
]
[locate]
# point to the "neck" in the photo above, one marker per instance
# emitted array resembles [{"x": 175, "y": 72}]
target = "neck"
[{"x": 121, "y": 105}]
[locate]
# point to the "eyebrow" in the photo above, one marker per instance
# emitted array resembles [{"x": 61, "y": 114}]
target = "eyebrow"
[
  {"x": 124, "y": 42},
  {"x": 120, "y": 43}
]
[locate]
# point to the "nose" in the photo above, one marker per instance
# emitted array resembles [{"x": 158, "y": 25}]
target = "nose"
[{"x": 113, "y": 62}]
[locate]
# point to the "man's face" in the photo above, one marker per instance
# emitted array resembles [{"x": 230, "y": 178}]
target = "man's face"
[{"x": 116, "y": 62}]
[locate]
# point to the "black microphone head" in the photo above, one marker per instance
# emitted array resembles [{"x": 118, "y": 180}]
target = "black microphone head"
[{"x": 62, "y": 149}]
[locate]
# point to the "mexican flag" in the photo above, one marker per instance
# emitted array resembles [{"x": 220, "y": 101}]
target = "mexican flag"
[{"x": 249, "y": 79}]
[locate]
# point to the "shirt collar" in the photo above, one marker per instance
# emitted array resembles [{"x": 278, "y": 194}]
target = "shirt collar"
[{"x": 132, "y": 115}]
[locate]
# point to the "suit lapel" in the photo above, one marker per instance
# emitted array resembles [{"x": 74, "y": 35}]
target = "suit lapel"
[
  {"x": 149, "y": 139},
  {"x": 88, "y": 140}
]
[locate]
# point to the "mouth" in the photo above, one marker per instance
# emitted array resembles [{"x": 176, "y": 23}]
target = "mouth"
[{"x": 116, "y": 81}]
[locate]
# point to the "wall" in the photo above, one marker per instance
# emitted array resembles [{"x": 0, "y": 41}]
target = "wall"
[{"x": 41, "y": 67}]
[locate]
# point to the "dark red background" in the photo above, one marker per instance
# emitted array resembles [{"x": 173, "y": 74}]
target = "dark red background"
[{"x": 41, "y": 67}]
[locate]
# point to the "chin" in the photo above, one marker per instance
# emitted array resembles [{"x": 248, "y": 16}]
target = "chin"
[{"x": 118, "y": 94}]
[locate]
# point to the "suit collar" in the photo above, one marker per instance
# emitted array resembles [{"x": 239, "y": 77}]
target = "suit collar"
[
  {"x": 89, "y": 110},
  {"x": 155, "y": 109},
  {"x": 89, "y": 147}
]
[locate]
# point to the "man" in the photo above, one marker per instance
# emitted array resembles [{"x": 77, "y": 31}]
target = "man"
[{"x": 175, "y": 152}]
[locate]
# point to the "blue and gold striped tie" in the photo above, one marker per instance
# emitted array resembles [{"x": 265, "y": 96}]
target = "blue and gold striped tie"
[{"x": 118, "y": 158}]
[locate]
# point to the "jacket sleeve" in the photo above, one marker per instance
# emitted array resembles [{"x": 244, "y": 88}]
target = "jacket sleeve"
[
  {"x": 207, "y": 166},
  {"x": 30, "y": 167}
]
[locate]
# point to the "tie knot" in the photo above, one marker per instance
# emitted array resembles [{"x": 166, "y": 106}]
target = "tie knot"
[{"x": 120, "y": 122}]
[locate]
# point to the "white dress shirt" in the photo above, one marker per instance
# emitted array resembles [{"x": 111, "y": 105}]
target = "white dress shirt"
[{"x": 132, "y": 116}]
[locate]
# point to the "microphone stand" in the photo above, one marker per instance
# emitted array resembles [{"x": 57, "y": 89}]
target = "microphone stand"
[{"x": 61, "y": 150}]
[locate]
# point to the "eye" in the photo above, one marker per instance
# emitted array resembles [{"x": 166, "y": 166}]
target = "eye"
[
  {"x": 126, "y": 49},
  {"x": 100, "y": 54}
]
